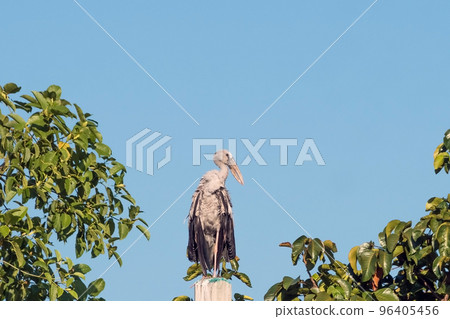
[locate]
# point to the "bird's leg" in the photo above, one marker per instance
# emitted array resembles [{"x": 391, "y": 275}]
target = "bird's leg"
[{"x": 216, "y": 250}]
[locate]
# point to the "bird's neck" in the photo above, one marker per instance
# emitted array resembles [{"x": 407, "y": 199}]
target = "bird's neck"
[{"x": 223, "y": 171}]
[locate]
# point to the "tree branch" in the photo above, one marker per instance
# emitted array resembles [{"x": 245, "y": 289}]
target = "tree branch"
[
  {"x": 26, "y": 273},
  {"x": 430, "y": 288}
]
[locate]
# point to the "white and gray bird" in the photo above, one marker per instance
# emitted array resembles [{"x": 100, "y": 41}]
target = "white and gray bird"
[{"x": 211, "y": 226}]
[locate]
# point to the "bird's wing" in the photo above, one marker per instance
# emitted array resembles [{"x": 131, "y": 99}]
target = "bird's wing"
[
  {"x": 197, "y": 246},
  {"x": 226, "y": 244}
]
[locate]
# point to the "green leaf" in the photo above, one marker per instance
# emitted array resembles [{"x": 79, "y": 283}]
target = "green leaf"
[
  {"x": 390, "y": 226},
  {"x": 60, "y": 291},
  {"x": 9, "y": 183},
  {"x": 19, "y": 120},
  {"x": 80, "y": 247},
  {"x": 193, "y": 272},
  {"x": 42, "y": 246},
  {"x": 18, "y": 253},
  {"x": 80, "y": 288},
  {"x": 58, "y": 255},
  {"x": 392, "y": 241},
  {"x": 69, "y": 263},
  {"x": 27, "y": 155},
  {"x": 443, "y": 238},
  {"x": 385, "y": 262},
  {"x": 314, "y": 249},
  {"x": 48, "y": 277},
  {"x": 36, "y": 120},
  {"x": 65, "y": 154},
  {"x": 297, "y": 248},
  {"x": 79, "y": 274},
  {"x": 310, "y": 297},
  {"x": 82, "y": 268},
  {"x": 239, "y": 297},
  {"x": 440, "y": 148},
  {"x": 129, "y": 198},
  {"x": 382, "y": 239},
  {"x": 69, "y": 185},
  {"x": 82, "y": 141},
  {"x": 400, "y": 227},
  {"x": 56, "y": 90},
  {"x": 424, "y": 252},
  {"x": 410, "y": 274},
  {"x": 110, "y": 226},
  {"x": 118, "y": 167},
  {"x": 419, "y": 229},
  {"x": 439, "y": 161},
  {"x": 103, "y": 150},
  {"x": 11, "y": 88},
  {"x": 10, "y": 195},
  {"x": 53, "y": 293},
  {"x": 73, "y": 293},
  {"x": 367, "y": 259},
  {"x": 42, "y": 264},
  {"x": 144, "y": 231},
  {"x": 80, "y": 114},
  {"x": 4, "y": 231},
  {"x": 330, "y": 245},
  {"x": 118, "y": 258},
  {"x": 446, "y": 141},
  {"x": 437, "y": 266},
  {"x": 352, "y": 258},
  {"x": 287, "y": 282},
  {"x": 386, "y": 294},
  {"x": 66, "y": 220},
  {"x": 40, "y": 99},
  {"x": 346, "y": 287},
  {"x": 323, "y": 296},
  {"x": 273, "y": 292},
  {"x": 96, "y": 287},
  {"x": 234, "y": 264},
  {"x": 243, "y": 277},
  {"x": 432, "y": 203},
  {"x": 434, "y": 224},
  {"x": 49, "y": 159},
  {"x": 124, "y": 229},
  {"x": 182, "y": 298}
]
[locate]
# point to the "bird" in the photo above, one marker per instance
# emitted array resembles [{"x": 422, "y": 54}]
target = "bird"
[{"x": 210, "y": 219}]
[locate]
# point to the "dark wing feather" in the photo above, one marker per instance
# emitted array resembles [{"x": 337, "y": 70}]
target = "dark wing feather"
[
  {"x": 226, "y": 244},
  {"x": 197, "y": 246}
]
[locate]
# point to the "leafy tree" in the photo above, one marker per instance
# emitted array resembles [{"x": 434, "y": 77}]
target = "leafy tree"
[
  {"x": 410, "y": 262},
  {"x": 58, "y": 181}
]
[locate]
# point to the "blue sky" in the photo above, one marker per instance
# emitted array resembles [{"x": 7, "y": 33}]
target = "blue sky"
[{"x": 376, "y": 105}]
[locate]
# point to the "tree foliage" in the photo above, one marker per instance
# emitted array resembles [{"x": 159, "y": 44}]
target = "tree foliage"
[
  {"x": 411, "y": 262},
  {"x": 195, "y": 270},
  {"x": 58, "y": 182}
]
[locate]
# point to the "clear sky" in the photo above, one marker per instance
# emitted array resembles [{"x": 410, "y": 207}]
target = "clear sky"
[{"x": 376, "y": 105}]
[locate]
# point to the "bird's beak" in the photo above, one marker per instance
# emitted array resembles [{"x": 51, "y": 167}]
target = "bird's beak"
[{"x": 236, "y": 172}]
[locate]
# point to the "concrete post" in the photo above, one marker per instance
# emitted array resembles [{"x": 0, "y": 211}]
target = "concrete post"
[{"x": 212, "y": 289}]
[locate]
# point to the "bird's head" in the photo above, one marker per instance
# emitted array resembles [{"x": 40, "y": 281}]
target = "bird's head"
[{"x": 225, "y": 157}]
